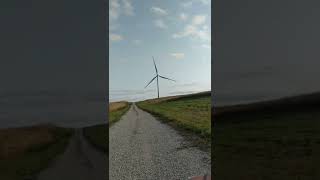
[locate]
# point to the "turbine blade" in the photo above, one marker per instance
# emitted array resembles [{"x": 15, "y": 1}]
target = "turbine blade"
[
  {"x": 167, "y": 78},
  {"x": 150, "y": 81},
  {"x": 155, "y": 66}
]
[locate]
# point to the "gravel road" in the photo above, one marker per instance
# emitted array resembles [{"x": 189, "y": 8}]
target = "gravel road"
[
  {"x": 80, "y": 161},
  {"x": 141, "y": 147}
]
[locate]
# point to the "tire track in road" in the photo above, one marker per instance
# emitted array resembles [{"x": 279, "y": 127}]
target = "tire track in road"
[
  {"x": 141, "y": 147},
  {"x": 80, "y": 161}
]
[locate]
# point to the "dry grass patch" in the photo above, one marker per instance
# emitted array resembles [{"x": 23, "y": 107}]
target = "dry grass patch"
[
  {"x": 116, "y": 110},
  {"x": 114, "y": 106},
  {"x": 16, "y": 141},
  {"x": 26, "y": 151}
]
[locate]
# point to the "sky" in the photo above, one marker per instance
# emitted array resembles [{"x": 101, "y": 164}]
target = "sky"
[
  {"x": 53, "y": 63},
  {"x": 176, "y": 33},
  {"x": 265, "y": 50}
]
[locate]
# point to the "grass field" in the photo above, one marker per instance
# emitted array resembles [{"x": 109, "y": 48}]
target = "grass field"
[
  {"x": 98, "y": 135},
  {"x": 26, "y": 151},
  {"x": 280, "y": 141},
  {"x": 116, "y": 110},
  {"x": 191, "y": 113}
]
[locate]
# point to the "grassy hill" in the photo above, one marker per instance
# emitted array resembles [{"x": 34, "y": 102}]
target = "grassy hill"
[
  {"x": 278, "y": 139},
  {"x": 304, "y": 102},
  {"x": 187, "y": 113},
  {"x": 116, "y": 110}
]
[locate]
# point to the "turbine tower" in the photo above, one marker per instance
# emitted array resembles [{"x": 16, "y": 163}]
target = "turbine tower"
[{"x": 157, "y": 76}]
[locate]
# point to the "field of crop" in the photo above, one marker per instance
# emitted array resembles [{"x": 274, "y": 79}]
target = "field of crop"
[
  {"x": 278, "y": 145},
  {"x": 191, "y": 113},
  {"x": 26, "y": 151},
  {"x": 98, "y": 135},
  {"x": 116, "y": 110}
]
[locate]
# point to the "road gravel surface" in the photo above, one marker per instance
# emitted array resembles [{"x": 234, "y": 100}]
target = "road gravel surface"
[
  {"x": 143, "y": 148},
  {"x": 80, "y": 161}
]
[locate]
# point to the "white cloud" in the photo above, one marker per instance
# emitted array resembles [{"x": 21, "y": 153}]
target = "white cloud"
[
  {"x": 198, "y": 19},
  {"x": 117, "y": 8},
  {"x": 127, "y": 7},
  {"x": 205, "y": 2},
  {"x": 137, "y": 42},
  {"x": 189, "y": 3},
  {"x": 160, "y": 24},
  {"x": 159, "y": 11},
  {"x": 195, "y": 29},
  {"x": 114, "y": 9},
  {"x": 183, "y": 16},
  {"x": 115, "y": 37},
  {"x": 177, "y": 55}
]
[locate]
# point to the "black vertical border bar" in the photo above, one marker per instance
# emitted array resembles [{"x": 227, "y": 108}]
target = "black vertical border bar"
[
  {"x": 213, "y": 59},
  {"x": 106, "y": 26}
]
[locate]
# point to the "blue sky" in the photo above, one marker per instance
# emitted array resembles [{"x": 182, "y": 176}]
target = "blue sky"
[{"x": 177, "y": 33}]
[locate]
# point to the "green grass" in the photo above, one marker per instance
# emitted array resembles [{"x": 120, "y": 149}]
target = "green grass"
[
  {"x": 115, "y": 115},
  {"x": 98, "y": 136},
  {"x": 190, "y": 113},
  {"x": 36, "y": 158},
  {"x": 263, "y": 146}
]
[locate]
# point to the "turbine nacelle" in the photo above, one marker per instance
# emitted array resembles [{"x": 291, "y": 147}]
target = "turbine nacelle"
[{"x": 157, "y": 76}]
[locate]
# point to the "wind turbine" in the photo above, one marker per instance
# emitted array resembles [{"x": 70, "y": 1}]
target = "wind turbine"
[{"x": 157, "y": 76}]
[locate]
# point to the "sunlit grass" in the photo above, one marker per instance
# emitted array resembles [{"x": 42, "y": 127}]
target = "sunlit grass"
[
  {"x": 191, "y": 113},
  {"x": 116, "y": 110}
]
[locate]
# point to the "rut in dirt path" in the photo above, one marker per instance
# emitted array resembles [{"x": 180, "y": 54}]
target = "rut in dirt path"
[
  {"x": 80, "y": 161},
  {"x": 141, "y": 147}
]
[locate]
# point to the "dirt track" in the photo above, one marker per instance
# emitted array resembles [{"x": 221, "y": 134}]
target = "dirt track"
[
  {"x": 80, "y": 161},
  {"x": 141, "y": 147}
]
